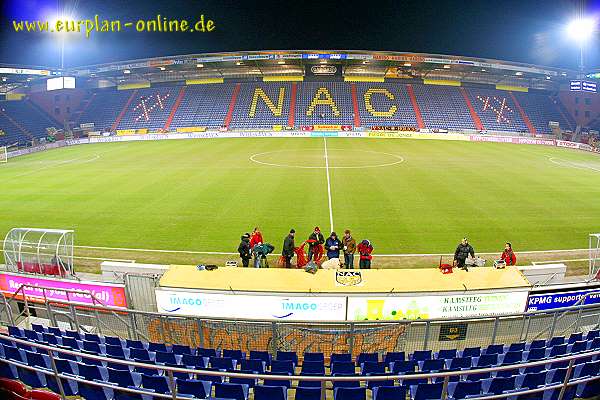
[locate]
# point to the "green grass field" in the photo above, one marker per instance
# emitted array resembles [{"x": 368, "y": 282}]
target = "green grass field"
[{"x": 406, "y": 196}]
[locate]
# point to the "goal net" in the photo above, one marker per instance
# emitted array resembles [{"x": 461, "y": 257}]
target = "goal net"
[{"x": 3, "y": 154}]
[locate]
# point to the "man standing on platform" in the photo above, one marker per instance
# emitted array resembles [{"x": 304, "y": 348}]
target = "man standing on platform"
[
  {"x": 244, "y": 250},
  {"x": 365, "y": 248},
  {"x": 288, "y": 248},
  {"x": 256, "y": 239},
  {"x": 462, "y": 252},
  {"x": 349, "y": 249},
  {"x": 333, "y": 246},
  {"x": 315, "y": 239}
]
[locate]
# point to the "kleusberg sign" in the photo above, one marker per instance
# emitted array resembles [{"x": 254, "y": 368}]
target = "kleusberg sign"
[
  {"x": 551, "y": 301},
  {"x": 314, "y": 308},
  {"x": 436, "y": 306}
]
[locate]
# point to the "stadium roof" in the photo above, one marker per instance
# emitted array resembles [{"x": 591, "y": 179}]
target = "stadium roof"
[{"x": 256, "y": 64}]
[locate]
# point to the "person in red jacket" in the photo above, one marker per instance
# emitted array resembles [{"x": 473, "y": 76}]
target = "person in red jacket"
[
  {"x": 508, "y": 255},
  {"x": 255, "y": 238},
  {"x": 365, "y": 249}
]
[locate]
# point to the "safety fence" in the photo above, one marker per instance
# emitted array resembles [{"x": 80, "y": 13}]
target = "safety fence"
[
  {"x": 565, "y": 387},
  {"x": 301, "y": 336}
]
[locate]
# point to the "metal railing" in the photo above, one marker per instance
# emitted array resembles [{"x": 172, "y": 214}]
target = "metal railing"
[
  {"x": 302, "y": 336},
  {"x": 53, "y": 352}
]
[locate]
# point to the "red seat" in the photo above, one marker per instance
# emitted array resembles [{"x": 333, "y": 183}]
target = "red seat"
[
  {"x": 43, "y": 395},
  {"x": 13, "y": 390}
]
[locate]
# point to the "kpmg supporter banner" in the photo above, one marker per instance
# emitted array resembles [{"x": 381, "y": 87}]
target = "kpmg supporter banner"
[
  {"x": 551, "y": 301},
  {"x": 511, "y": 139},
  {"x": 108, "y": 294},
  {"x": 416, "y": 135},
  {"x": 436, "y": 306},
  {"x": 181, "y": 302}
]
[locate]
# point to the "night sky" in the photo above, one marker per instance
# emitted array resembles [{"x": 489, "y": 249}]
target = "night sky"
[{"x": 525, "y": 31}]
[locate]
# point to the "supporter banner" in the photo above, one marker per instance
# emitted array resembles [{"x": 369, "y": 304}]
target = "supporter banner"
[
  {"x": 108, "y": 294},
  {"x": 307, "y": 128},
  {"x": 436, "y": 306},
  {"x": 181, "y": 302},
  {"x": 511, "y": 139},
  {"x": 189, "y": 129},
  {"x": 394, "y": 128},
  {"x": 141, "y": 131},
  {"x": 551, "y": 301},
  {"x": 416, "y": 135},
  {"x": 332, "y": 127}
]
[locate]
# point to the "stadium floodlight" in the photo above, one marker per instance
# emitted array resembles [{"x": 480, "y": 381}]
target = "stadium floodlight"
[{"x": 581, "y": 29}]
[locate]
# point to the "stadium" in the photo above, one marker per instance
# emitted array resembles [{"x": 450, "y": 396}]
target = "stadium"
[{"x": 128, "y": 185}]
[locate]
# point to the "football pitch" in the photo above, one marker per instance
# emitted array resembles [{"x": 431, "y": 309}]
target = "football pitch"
[{"x": 406, "y": 196}]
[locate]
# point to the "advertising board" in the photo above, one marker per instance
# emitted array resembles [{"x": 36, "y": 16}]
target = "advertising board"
[
  {"x": 184, "y": 302},
  {"x": 436, "y": 306},
  {"x": 108, "y": 294}
]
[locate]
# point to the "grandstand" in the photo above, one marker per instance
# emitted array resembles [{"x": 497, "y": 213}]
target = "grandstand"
[{"x": 264, "y": 105}]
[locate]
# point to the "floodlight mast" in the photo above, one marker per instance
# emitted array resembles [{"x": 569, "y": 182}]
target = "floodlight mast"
[{"x": 581, "y": 30}]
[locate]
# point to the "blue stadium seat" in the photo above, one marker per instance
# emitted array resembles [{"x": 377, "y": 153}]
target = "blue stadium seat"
[
  {"x": 261, "y": 355},
  {"x": 433, "y": 365},
  {"x": 350, "y": 393},
  {"x": 250, "y": 382},
  {"x": 255, "y": 365},
  {"x": 447, "y": 354},
  {"x": 394, "y": 356},
  {"x": 512, "y": 357},
  {"x": 340, "y": 357},
  {"x": 49, "y": 338},
  {"x": 339, "y": 368},
  {"x": 124, "y": 378},
  {"x": 389, "y": 392},
  {"x": 194, "y": 361},
  {"x": 313, "y": 368},
  {"x": 156, "y": 347},
  {"x": 159, "y": 384},
  {"x": 520, "y": 346},
  {"x": 113, "y": 341},
  {"x": 403, "y": 367},
  {"x": 224, "y": 363},
  {"x": 66, "y": 366},
  {"x": 421, "y": 355},
  {"x": 575, "y": 337},
  {"x": 471, "y": 352},
  {"x": 231, "y": 391},
  {"x": 92, "y": 372},
  {"x": 70, "y": 387},
  {"x": 32, "y": 378},
  {"x": 237, "y": 355},
  {"x": 136, "y": 353},
  {"x": 308, "y": 393},
  {"x": 494, "y": 386},
  {"x": 91, "y": 392},
  {"x": 264, "y": 392},
  {"x": 348, "y": 384},
  {"x": 313, "y": 357},
  {"x": 372, "y": 367},
  {"x": 494, "y": 349},
  {"x": 531, "y": 380},
  {"x": 278, "y": 382},
  {"x": 426, "y": 391},
  {"x": 92, "y": 347},
  {"x": 287, "y": 356},
  {"x": 201, "y": 351},
  {"x": 556, "y": 340},
  {"x": 282, "y": 366},
  {"x": 460, "y": 362},
  {"x": 164, "y": 357},
  {"x": 92, "y": 337},
  {"x": 198, "y": 389},
  {"x": 463, "y": 389},
  {"x": 364, "y": 357}
]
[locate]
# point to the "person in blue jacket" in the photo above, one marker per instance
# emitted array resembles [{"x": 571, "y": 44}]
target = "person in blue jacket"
[{"x": 333, "y": 245}]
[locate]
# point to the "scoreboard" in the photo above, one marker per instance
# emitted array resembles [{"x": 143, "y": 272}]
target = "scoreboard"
[{"x": 584, "y": 86}]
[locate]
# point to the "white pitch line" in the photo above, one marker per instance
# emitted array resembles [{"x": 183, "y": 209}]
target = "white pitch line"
[{"x": 328, "y": 184}]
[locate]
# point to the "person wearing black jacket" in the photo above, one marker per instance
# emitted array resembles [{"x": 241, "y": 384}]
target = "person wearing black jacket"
[
  {"x": 288, "y": 248},
  {"x": 244, "y": 250},
  {"x": 316, "y": 238},
  {"x": 463, "y": 250}
]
